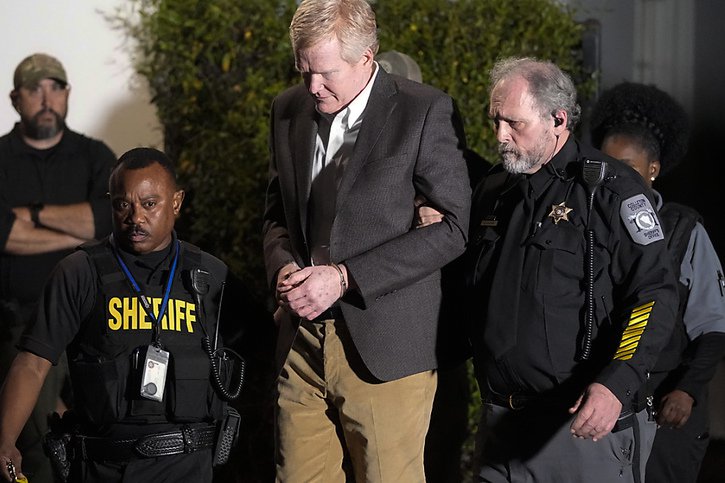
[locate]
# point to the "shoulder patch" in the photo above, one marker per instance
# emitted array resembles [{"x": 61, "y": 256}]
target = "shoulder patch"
[{"x": 641, "y": 220}]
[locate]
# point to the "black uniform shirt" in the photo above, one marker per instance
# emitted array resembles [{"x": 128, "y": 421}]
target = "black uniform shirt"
[
  {"x": 530, "y": 280},
  {"x": 76, "y": 171}
]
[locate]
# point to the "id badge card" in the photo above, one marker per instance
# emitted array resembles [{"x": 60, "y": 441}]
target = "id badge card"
[{"x": 153, "y": 380}]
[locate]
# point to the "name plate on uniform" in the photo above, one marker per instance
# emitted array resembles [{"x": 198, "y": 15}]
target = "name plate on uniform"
[{"x": 489, "y": 220}]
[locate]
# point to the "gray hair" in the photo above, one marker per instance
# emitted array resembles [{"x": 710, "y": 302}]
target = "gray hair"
[
  {"x": 351, "y": 21},
  {"x": 551, "y": 88}
]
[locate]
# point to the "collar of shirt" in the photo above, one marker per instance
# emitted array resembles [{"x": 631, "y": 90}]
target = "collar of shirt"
[
  {"x": 66, "y": 144},
  {"x": 557, "y": 167},
  {"x": 150, "y": 268},
  {"x": 358, "y": 105},
  {"x": 347, "y": 120}
]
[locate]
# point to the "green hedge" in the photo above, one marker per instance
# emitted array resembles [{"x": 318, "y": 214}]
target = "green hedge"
[{"x": 214, "y": 66}]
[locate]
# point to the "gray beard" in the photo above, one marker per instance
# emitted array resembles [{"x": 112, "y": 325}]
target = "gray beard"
[
  {"x": 516, "y": 163},
  {"x": 34, "y": 130}
]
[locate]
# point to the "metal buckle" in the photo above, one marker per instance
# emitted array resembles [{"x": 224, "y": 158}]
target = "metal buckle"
[{"x": 189, "y": 446}]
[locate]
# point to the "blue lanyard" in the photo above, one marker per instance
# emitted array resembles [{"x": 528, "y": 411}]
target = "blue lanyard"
[{"x": 144, "y": 301}]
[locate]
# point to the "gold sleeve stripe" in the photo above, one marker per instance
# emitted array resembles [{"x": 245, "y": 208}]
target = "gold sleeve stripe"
[
  {"x": 631, "y": 344},
  {"x": 640, "y": 313},
  {"x": 633, "y": 332},
  {"x": 624, "y": 355},
  {"x": 644, "y": 306},
  {"x": 629, "y": 337},
  {"x": 638, "y": 323}
]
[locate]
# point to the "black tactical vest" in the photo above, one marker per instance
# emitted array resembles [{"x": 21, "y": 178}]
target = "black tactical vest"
[{"x": 105, "y": 365}]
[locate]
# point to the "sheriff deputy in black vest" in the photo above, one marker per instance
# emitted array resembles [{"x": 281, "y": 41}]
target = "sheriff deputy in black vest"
[{"x": 137, "y": 313}]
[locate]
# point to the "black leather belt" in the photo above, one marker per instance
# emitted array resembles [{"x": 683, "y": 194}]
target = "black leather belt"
[
  {"x": 188, "y": 439},
  {"x": 334, "y": 312},
  {"x": 513, "y": 401},
  {"x": 521, "y": 400}
]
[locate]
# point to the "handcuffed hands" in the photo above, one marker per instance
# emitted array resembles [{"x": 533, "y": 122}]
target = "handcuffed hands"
[{"x": 310, "y": 291}]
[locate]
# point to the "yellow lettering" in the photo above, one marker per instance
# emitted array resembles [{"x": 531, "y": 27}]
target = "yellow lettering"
[
  {"x": 169, "y": 316},
  {"x": 130, "y": 309},
  {"x": 144, "y": 322},
  {"x": 114, "y": 323},
  {"x": 156, "y": 306},
  {"x": 179, "y": 313},
  {"x": 190, "y": 317},
  {"x": 144, "y": 318},
  {"x": 174, "y": 319},
  {"x": 127, "y": 313}
]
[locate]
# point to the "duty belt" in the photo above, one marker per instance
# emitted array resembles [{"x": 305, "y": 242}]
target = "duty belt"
[{"x": 188, "y": 439}]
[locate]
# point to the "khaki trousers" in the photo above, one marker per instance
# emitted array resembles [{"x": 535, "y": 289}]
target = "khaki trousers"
[{"x": 335, "y": 423}]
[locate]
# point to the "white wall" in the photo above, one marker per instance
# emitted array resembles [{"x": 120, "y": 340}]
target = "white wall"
[
  {"x": 646, "y": 41},
  {"x": 616, "y": 18},
  {"x": 107, "y": 101}
]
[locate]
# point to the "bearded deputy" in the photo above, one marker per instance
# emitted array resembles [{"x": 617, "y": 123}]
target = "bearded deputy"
[
  {"x": 138, "y": 315},
  {"x": 53, "y": 185},
  {"x": 571, "y": 289}
]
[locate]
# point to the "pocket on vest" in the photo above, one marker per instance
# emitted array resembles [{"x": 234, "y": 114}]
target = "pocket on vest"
[
  {"x": 191, "y": 394},
  {"x": 99, "y": 390}
]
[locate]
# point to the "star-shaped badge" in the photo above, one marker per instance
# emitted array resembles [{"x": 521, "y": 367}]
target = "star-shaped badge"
[{"x": 560, "y": 212}]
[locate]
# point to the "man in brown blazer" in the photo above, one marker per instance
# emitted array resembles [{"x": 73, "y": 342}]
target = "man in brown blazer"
[{"x": 359, "y": 287}]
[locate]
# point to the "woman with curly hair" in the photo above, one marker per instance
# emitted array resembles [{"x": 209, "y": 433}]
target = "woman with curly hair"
[{"x": 644, "y": 127}]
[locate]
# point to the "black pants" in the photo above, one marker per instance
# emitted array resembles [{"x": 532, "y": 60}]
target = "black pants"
[
  {"x": 448, "y": 428},
  {"x": 677, "y": 453},
  {"x": 183, "y": 468}
]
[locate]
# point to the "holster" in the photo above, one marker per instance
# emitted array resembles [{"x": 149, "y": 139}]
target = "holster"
[
  {"x": 57, "y": 447},
  {"x": 228, "y": 436}
]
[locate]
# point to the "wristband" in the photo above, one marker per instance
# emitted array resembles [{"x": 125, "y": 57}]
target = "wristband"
[
  {"x": 35, "y": 213},
  {"x": 343, "y": 284}
]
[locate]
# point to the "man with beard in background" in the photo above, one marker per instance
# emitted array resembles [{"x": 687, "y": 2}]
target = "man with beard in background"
[{"x": 53, "y": 185}]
